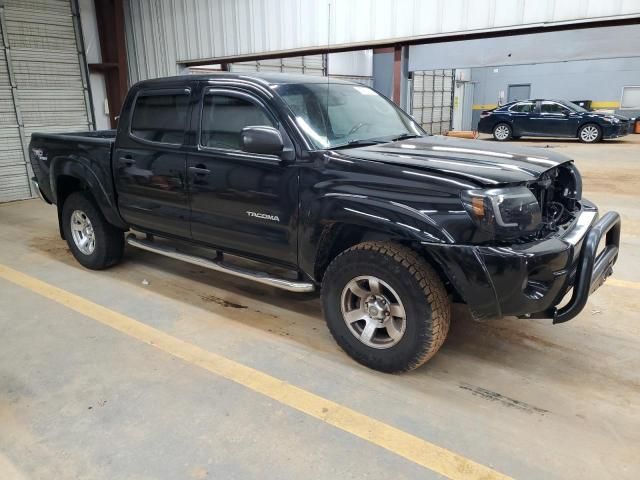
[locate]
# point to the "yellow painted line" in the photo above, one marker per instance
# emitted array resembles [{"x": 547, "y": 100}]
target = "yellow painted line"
[
  {"x": 605, "y": 104},
  {"x": 417, "y": 450},
  {"x": 484, "y": 106},
  {"x": 614, "y": 282}
]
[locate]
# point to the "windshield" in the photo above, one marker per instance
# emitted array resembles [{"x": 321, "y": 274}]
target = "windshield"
[
  {"x": 334, "y": 115},
  {"x": 574, "y": 106}
]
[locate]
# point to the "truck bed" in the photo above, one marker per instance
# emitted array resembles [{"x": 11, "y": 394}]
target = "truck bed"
[
  {"x": 55, "y": 154},
  {"x": 97, "y": 136}
]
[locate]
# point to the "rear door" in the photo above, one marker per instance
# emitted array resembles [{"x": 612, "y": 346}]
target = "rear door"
[
  {"x": 521, "y": 114},
  {"x": 241, "y": 202},
  {"x": 150, "y": 162}
]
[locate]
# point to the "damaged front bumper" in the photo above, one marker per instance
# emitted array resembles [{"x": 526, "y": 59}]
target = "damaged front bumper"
[
  {"x": 531, "y": 280},
  {"x": 592, "y": 268}
]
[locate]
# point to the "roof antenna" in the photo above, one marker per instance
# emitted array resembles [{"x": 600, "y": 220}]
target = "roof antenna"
[{"x": 326, "y": 66}]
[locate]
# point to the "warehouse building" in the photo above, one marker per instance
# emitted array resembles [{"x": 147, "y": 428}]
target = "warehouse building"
[
  {"x": 88, "y": 69},
  {"x": 242, "y": 332}
]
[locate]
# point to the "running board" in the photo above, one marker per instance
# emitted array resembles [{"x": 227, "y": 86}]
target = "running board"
[{"x": 219, "y": 266}]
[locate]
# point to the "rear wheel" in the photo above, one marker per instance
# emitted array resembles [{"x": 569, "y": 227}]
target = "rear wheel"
[
  {"x": 589, "y": 133},
  {"x": 502, "y": 132},
  {"x": 94, "y": 242},
  {"x": 385, "y": 306}
]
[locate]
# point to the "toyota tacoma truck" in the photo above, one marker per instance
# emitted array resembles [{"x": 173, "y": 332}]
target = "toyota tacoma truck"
[{"x": 325, "y": 185}]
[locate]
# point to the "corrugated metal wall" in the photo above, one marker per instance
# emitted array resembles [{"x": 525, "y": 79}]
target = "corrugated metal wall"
[
  {"x": 306, "y": 65},
  {"x": 161, "y": 33},
  {"x": 42, "y": 85}
]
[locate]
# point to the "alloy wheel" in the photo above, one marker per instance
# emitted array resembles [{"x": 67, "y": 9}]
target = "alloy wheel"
[
  {"x": 373, "y": 312},
  {"x": 501, "y": 132},
  {"x": 82, "y": 232},
  {"x": 589, "y": 133}
]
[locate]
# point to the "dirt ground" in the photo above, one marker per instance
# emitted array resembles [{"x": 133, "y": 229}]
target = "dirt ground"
[{"x": 523, "y": 397}]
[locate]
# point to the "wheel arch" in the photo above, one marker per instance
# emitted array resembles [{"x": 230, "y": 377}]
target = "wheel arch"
[
  {"x": 337, "y": 222},
  {"x": 69, "y": 175}
]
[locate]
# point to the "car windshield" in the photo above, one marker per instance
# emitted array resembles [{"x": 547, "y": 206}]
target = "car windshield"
[
  {"x": 574, "y": 106},
  {"x": 335, "y": 115}
]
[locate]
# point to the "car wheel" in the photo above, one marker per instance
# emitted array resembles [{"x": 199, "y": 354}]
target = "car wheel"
[
  {"x": 385, "y": 306},
  {"x": 502, "y": 132},
  {"x": 590, "y": 133},
  {"x": 93, "y": 241}
]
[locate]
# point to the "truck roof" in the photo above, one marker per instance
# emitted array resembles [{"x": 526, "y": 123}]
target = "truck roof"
[{"x": 266, "y": 78}]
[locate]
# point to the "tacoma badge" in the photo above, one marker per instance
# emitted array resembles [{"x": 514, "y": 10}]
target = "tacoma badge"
[{"x": 264, "y": 216}]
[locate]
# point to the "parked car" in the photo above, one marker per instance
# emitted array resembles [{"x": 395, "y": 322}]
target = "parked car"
[
  {"x": 338, "y": 187},
  {"x": 551, "y": 118}
]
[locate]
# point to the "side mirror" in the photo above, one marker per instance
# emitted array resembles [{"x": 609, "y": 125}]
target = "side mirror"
[{"x": 263, "y": 140}]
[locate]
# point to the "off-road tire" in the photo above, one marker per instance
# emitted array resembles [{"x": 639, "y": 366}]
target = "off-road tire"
[
  {"x": 109, "y": 241},
  {"x": 422, "y": 293}
]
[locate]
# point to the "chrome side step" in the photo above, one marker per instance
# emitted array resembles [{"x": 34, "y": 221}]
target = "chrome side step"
[{"x": 219, "y": 266}]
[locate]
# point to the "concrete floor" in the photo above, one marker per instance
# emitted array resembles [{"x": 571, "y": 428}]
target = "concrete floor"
[{"x": 81, "y": 400}]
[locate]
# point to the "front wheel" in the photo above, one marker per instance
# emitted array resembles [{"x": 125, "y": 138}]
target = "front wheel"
[
  {"x": 94, "y": 242},
  {"x": 502, "y": 132},
  {"x": 385, "y": 306},
  {"x": 589, "y": 133}
]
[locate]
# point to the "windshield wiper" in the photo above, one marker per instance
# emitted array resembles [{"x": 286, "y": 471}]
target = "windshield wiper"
[
  {"x": 363, "y": 142},
  {"x": 405, "y": 136}
]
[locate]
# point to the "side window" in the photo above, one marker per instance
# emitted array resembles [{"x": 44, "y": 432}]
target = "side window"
[
  {"x": 524, "y": 107},
  {"x": 160, "y": 118},
  {"x": 224, "y": 116},
  {"x": 552, "y": 107}
]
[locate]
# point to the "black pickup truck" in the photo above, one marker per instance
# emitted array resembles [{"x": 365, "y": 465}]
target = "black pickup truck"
[{"x": 327, "y": 185}]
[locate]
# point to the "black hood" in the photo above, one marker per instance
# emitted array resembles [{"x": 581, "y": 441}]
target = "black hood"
[{"x": 482, "y": 162}]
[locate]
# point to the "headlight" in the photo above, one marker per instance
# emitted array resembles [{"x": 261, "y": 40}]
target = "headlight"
[
  {"x": 504, "y": 212},
  {"x": 611, "y": 119}
]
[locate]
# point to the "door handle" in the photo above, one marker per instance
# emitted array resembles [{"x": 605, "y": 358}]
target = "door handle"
[
  {"x": 126, "y": 161},
  {"x": 199, "y": 170}
]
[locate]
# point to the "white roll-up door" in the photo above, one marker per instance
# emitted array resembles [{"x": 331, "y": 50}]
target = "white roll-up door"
[
  {"x": 43, "y": 84},
  {"x": 431, "y": 103}
]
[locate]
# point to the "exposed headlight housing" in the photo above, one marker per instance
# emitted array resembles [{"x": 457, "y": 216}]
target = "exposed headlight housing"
[{"x": 504, "y": 212}]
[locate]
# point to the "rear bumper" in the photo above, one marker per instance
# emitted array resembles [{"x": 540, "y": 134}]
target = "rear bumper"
[
  {"x": 531, "y": 280},
  {"x": 36, "y": 187},
  {"x": 485, "y": 126}
]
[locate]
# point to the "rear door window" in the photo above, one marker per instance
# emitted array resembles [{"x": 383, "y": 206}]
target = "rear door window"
[
  {"x": 160, "y": 117},
  {"x": 523, "y": 107}
]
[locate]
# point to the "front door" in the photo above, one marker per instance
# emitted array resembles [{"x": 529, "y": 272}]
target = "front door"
[
  {"x": 241, "y": 202},
  {"x": 554, "y": 119},
  {"x": 150, "y": 163}
]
